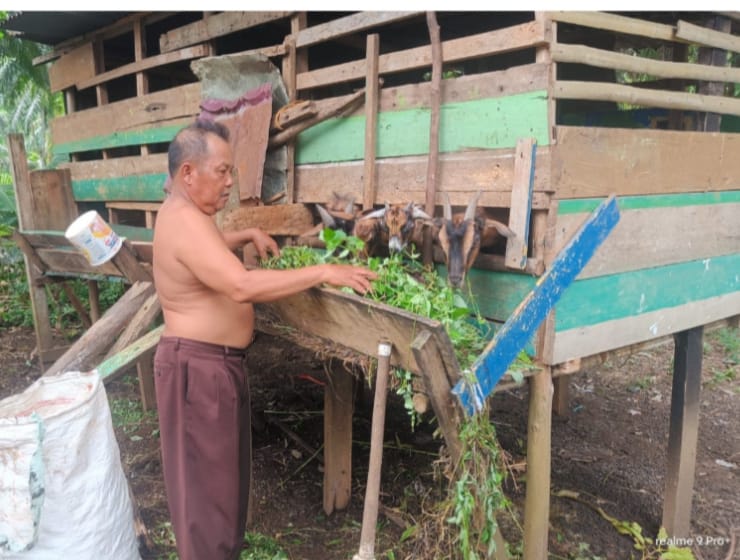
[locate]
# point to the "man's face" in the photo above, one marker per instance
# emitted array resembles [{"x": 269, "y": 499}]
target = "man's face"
[{"x": 209, "y": 180}]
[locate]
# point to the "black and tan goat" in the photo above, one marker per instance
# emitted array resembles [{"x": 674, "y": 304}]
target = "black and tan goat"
[
  {"x": 392, "y": 227},
  {"x": 461, "y": 236},
  {"x": 339, "y": 214}
]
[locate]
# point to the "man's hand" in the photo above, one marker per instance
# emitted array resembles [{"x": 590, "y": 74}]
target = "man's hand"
[
  {"x": 355, "y": 277},
  {"x": 264, "y": 243}
]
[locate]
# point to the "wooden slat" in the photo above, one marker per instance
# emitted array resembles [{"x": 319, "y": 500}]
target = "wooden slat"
[
  {"x": 708, "y": 37},
  {"x": 72, "y": 68},
  {"x": 372, "y": 97},
  {"x": 117, "y": 167},
  {"x": 150, "y": 111},
  {"x": 619, "y": 333},
  {"x": 138, "y": 325},
  {"x": 147, "y": 135},
  {"x": 54, "y": 206},
  {"x": 118, "y": 363},
  {"x": 65, "y": 262},
  {"x": 619, "y": 24},
  {"x": 187, "y": 53},
  {"x": 521, "y": 203},
  {"x": 354, "y": 23},
  {"x": 500, "y": 41},
  {"x": 140, "y": 206},
  {"x": 125, "y": 260},
  {"x": 619, "y": 93},
  {"x": 580, "y": 54},
  {"x": 658, "y": 236},
  {"x": 213, "y": 26},
  {"x": 280, "y": 219},
  {"x": 461, "y": 174},
  {"x": 597, "y": 161}
]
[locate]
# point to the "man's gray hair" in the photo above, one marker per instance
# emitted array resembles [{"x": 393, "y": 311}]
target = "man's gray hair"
[{"x": 190, "y": 143}]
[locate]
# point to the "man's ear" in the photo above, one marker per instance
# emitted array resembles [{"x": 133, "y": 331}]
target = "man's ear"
[{"x": 186, "y": 170}]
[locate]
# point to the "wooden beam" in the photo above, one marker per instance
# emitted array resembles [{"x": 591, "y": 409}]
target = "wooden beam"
[
  {"x": 28, "y": 250},
  {"x": 126, "y": 261},
  {"x": 683, "y": 432},
  {"x": 708, "y": 38},
  {"x": 98, "y": 338},
  {"x": 139, "y": 113},
  {"x": 619, "y": 93},
  {"x": 580, "y": 54},
  {"x": 500, "y": 41},
  {"x": 139, "y": 66},
  {"x": 72, "y": 68},
  {"x": 214, "y": 26},
  {"x": 521, "y": 203},
  {"x": 372, "y": 98},
  {"x": 537, "y": 500},
  {"x": 338, "y": 409},
  {"x": 661, "y": 162},
  {"x": 138, "y": 325},
  {"x": 618, "y": 24},
  {"x": 491, "y": 365},
  {"x": 279, "y": 219},
  {"x": 25, "y": 210},
  {"x": 119, "y": 362},
  {"x": 145, "y": 373},
  {"x": 435, "y": 103},
  {"x": 354, "y": 23}
]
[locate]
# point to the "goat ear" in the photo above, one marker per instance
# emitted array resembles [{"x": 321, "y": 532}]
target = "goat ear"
[
  {"x": 326, "y": 218},
  {"x": 501, "y": 228},
  {"x": 419, "y": 214}
]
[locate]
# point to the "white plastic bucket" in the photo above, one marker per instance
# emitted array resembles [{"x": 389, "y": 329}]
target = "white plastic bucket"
[{"x": 92, "y": 235}]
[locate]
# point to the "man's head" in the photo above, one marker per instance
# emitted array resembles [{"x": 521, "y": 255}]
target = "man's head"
[{"x": 200, "y": 164}]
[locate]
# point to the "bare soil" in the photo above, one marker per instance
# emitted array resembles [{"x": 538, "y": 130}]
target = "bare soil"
[{"x": 608, "y": 452}]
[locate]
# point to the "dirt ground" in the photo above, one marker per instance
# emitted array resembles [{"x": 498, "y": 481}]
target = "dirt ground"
[{"x": 608, "y": 452}]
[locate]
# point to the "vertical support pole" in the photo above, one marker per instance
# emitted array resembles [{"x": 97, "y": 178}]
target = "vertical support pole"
[
  {"x": 25, "y": 210},
  {"x": 372, "y": 98},
  {"x": 338, "y": 409},
  {"x": 101, "y": 90},
  {"x": 537, "y": 501},
  {"x": 435, "y": 101},
  {"x": 145, "y": 372},
  {"x": 683, "y": 431},
  {"x": 543, "y": 55},
  {"x": 561, "y": 397},
  {"x": 521, "y": 203},
  {"x": 290, "y": 79},
  {"x": 713, "y": 57},
  {"x": 93, "y": 290},
  {"x": 142, "y": 81},
  {"x": 372, "y": 491}
]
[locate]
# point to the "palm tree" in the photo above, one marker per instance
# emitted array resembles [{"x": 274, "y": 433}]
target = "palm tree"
[{"x": 27, "y": 105}]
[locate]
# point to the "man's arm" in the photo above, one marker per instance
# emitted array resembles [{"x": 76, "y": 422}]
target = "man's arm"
[
  {"x": 262, "y": 242},
  {"x": 204, "y": 251}
]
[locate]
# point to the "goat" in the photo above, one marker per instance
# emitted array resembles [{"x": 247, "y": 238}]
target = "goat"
[
  {"x": 339, "y": 214},
  {"x": 461, "y": 237},
  {"x": 393, "y": 226}
]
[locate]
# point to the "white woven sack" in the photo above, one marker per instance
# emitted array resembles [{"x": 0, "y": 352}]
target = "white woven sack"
[{"x": 74, "y": 502}]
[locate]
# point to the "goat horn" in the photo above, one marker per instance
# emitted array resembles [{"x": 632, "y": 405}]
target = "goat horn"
[
  {"x": 447, "y": 212},
  {"x": 374, "y": 214},
  {"x": 418, "y": 213},
  {"x": 326, "y": 218},
  {"x": 472, "y": 205}
]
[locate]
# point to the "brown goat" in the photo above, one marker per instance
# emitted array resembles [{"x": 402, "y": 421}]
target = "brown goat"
[
  {"x": 461, "y": 237},
  {"x": 391, "y": 227}
]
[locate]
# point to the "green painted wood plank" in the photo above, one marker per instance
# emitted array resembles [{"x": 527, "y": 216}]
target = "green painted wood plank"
[
  {"x": 482, "y": 123},
  {"x": 118, "y": 139},
  {"x": 606, "y": 298},
  {"x": 134, "y": 233},
  {"x": 584, "y": 205},
  {"x": 142, "y": 188}
]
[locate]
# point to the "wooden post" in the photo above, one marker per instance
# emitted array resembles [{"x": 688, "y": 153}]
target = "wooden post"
[
  {"x": 372, "y": 98},
  {"x": 93, "y": 291},
  {"x": 338, "y": 409},
  {"x": 145, "y": 373},
  {"x": 543, "y": 54},
  {"x": 521, "y": 203},
  {"x": 683, "y": 431},
  {"x": 561, "y": 398},
  {"x": 142, "y": 81},
  {"x": 372, "y": 490},
  {"x": 713, "y": 57},
  {"x": 435, "y": 102},
  {"x": 537, "y": 501},
  {"x": 26, "y": 221}
]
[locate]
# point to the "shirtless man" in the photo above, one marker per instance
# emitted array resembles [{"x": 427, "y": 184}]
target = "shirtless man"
[{"x": 201, "y": 385}]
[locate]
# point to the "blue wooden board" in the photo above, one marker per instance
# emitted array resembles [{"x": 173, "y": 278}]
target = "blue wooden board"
[{"x": 520, "y": 327}]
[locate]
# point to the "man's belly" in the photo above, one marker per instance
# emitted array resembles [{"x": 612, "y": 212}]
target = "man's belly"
[{"x": 222, "y": 322}]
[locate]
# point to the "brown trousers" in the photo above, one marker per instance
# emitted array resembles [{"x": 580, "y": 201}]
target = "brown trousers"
[{"x": 204, "y": 424}]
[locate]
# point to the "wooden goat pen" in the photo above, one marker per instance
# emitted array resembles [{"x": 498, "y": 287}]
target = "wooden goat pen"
[{"x": 545, "y": 113}]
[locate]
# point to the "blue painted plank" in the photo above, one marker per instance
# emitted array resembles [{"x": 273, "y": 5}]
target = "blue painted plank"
[{"x": 519, "y": 328}]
